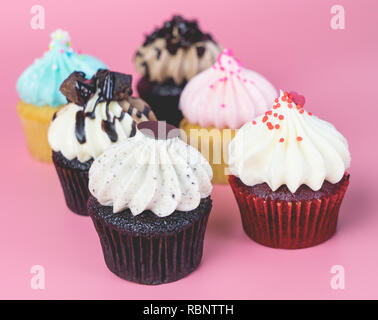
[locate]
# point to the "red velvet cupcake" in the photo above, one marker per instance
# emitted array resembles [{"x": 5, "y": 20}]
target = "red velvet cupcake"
[{"x": 289, "y": 175}]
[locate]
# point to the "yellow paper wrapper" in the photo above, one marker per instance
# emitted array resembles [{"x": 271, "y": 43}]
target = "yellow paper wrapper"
[
  {"x": 213, "y": 144},
  {"x": 35, "y": 121}
]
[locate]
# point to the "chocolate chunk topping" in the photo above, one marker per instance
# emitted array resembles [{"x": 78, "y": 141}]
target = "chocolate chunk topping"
[
  {"x": 158, "y": 53},
  {"x": 200, "y": 51},
  {"x": 77, "y": 88},
  {"x": 188, "y": 34},
  {"x": 113, "y": 85}
]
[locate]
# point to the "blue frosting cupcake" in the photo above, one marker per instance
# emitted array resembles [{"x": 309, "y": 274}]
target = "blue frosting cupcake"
[{"x": 38, "y": 89}]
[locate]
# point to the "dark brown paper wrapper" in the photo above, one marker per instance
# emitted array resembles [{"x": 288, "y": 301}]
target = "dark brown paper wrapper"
[
  {"x": 289, "y": 224},
  {"x": 74, "y": 183},
  {"x": 151, "y": 258}
]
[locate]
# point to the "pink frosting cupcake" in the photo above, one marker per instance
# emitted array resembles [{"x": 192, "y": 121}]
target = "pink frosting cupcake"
[{"x": 220, "y": 100}]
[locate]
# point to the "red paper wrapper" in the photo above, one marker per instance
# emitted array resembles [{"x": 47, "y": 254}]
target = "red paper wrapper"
[{"x": 288, "y": 224}]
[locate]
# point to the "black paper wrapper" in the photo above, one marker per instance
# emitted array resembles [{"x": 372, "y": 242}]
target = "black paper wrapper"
[
  {"x": 163, "y": 99},
  {"x": 148, "y": 249},
  {"x": 73, "y": 176}
]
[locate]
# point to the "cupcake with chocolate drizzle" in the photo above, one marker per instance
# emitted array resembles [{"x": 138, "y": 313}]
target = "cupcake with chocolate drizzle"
[
  {"x": 100, "y": 112},
  {"x": 168, "y": 59},
  {"x": 150, "y": 203}
]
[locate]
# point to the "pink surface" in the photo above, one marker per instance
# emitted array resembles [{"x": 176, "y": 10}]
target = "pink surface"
[{"x": 292, "y": 44}]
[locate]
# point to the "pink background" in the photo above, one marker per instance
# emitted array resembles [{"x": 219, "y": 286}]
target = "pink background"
[{"x": 292, "y": 44}]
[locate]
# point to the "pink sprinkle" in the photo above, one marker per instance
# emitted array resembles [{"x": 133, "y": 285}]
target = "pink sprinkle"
[
  {"x": 222, "y": 68},
  {"x": 79, "y": 51},
  {"x": 231, "y": 72},
  {"x": 223, "y": 105},
  {"x": 244, "y": 80},
  {"x": 250, "y": 81},
  {"x": 228, "y": 52},
  {"x": 238, "y": 77},
  {"x": 229, "y": 61},
  {"x": 214, "y": 67},
  {"x": 211, "y": 86},
  {"x": 239, "y": 70},
  {"x": 61, "y": 50},
  {"x": 225, "y": 79}
]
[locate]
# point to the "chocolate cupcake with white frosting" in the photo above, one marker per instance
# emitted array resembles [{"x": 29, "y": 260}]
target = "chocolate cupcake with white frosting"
[
  {"x": 289, "y": 175},
  {"x": 150, "y": 204},
  {"x": 100, "y": 112},
  {"x": 168, "y": 59}
]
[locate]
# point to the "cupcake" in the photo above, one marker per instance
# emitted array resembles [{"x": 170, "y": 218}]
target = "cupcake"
[
  {"x": 168, "y": 58},
  {"x": 217, "y": 102},
  {"x": 100, "y": 112},
  {"x": 38, "y": 88},
  {"x": 150, "y": 202},
  {"x": 288, "y": 175}
]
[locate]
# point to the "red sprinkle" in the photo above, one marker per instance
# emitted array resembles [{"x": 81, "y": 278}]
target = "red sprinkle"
[
  {"x": 275, "y": 114},
  {"x": 281, "y": 117},
  {"x": 265, "y": 119},
  {"x": 290, "y": 105},
  {"x": 268, "y": 113},
  {"x": 299, "y": 106},
  {"x": 282, "y": 140},
  {"x": 299, "y": 138},
  {"x": 277, "y": 126},
  {"x": 276, "y": 100},
  {"x": 283, "y": 98},
  {"x": 301, "y": 111},
  {"x": 309, "y": 113},
  {"x": 270, "y": 126},
  {"x": 253, "y": 122}
]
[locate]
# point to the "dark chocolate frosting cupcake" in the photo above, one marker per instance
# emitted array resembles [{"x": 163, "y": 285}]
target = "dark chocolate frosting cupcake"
[
  {"x": 150, "y": 204},
  {"x": 170, "y": 56},
  {"x": 99, "y": 113}
]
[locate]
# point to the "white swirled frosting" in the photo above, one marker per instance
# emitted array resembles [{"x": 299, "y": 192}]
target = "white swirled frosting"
[
  {"x": 142, "y": 173},
  {"x": 288, "y": 146},
  {"x": 62, "y": 131}
]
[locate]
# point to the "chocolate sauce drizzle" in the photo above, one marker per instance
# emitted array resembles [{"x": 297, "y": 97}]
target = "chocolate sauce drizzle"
[{"x": 111, "y": 86}]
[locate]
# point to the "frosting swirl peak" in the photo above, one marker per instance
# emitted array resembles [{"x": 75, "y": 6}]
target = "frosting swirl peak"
[
  {"x": 176, "y": 51},
  {"x": 147, "y": 173},
  {"x": 288, "y": 146},
  {"x": 39, "y": 83},
  {"x": 226, "y": 95}
]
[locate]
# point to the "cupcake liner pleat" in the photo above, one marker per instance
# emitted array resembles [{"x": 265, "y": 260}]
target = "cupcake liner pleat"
[
  {"x": 152, "y": 260},
  {"x": 75, "y": 188},
  {"x": 289, "y": 224}
]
